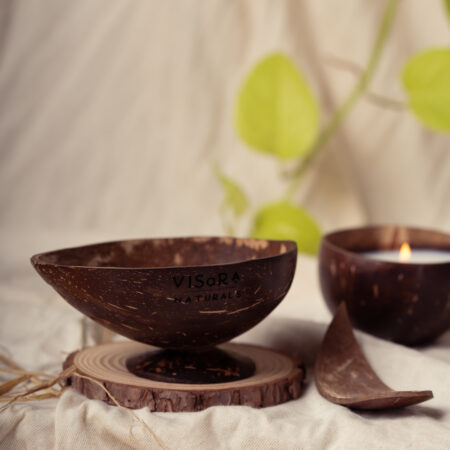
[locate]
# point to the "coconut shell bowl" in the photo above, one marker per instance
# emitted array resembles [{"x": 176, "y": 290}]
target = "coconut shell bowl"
[
  {"x": 179, "y": 299},
  {"x": 405, "y": 302}
]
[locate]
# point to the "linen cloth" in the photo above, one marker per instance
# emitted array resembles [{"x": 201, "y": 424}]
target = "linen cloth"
[
  {"x": 111, "y": 114},
  {"x": 38, "y": 334}
]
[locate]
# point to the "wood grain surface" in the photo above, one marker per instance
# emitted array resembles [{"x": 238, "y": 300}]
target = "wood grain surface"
[{"x": 277, "y": 379}]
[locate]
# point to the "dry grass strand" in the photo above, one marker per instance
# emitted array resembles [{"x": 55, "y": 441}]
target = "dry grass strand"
[{"x": 30, "y": 394}]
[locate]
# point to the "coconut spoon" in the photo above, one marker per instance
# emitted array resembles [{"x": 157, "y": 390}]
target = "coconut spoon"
[{"x": 344, "y": 376}]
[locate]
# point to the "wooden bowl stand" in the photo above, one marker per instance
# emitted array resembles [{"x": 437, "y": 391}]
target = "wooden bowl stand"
[{"x": 277, "y": 379}]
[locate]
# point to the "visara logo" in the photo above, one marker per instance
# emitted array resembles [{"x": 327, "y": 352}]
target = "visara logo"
[{"x": 201, "y": 280}]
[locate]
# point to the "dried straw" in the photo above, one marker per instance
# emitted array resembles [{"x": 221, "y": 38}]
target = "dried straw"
[{"x": 44, "y": 382}]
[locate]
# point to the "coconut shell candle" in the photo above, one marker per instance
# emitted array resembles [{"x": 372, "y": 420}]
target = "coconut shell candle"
[{"x": 406, "y": 300}]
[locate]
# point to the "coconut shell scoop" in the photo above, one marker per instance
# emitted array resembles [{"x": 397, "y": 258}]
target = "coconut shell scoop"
[{"x": 343, "y": 375}]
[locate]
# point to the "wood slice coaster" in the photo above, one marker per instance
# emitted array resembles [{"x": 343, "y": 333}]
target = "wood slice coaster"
[{"x": 277, "y": 379}]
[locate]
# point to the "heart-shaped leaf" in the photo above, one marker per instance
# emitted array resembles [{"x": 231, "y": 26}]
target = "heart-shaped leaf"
[
  {"x": 283, "y": 220},
  {"x": 426, "y": 78},
  {"x": 276, "y": 111}
]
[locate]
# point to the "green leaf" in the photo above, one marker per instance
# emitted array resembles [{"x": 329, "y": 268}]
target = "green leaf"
[
  {"x": 234, "y": 198},
  {"x": 283, "y": 220},
  {"x": 276, "y": 112},
  {"x": 426, "y": 78}
]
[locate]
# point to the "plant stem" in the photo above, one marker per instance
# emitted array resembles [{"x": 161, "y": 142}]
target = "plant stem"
[
  {"x": 341, "y": 113},
  {"x": 374, "y": 97}
]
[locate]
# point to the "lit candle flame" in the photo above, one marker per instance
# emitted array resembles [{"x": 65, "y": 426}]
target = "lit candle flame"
[{"x": 405, "y": 252}]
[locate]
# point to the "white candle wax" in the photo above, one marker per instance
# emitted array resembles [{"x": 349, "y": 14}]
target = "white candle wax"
[{"x": 418, "y": 256}]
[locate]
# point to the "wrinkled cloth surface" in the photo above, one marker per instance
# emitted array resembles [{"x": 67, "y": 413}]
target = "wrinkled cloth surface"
[
  {"x": 113, "y": 113},
  {"x": 38, "y": 334}
]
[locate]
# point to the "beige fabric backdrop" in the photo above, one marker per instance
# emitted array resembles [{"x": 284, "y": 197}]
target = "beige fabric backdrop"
[{"x": 111, "y": 113}]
